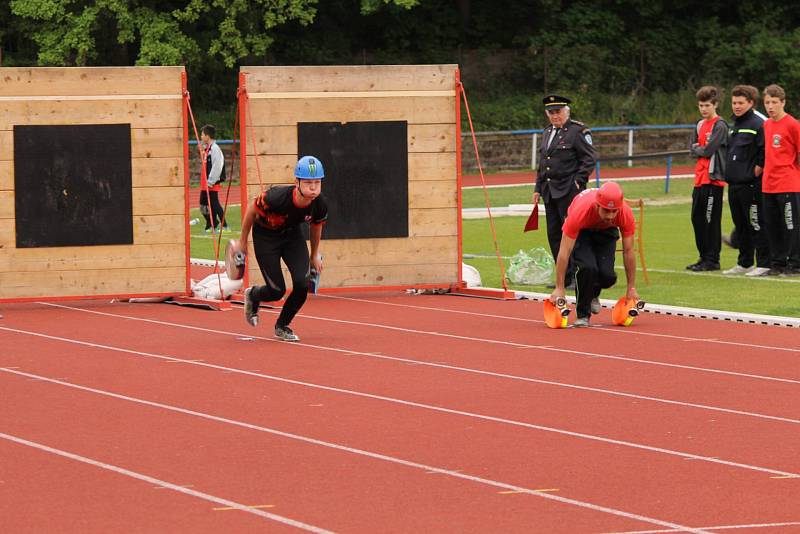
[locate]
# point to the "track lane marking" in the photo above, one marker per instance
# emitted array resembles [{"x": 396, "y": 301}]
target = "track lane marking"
[
  {"x": 430, "y": 407},
  {"x": 163, "y": 484},
  {"x": 627, "y": 331},
  {"x": 314, "y": 441},
  {"x": 507, "y": 343}
]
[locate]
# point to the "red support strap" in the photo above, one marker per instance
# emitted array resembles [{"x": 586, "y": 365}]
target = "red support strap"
[{"x": 485, "y": 191}]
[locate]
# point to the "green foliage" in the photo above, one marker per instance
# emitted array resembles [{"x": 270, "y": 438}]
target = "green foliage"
[{"x": 624, "y": 61}]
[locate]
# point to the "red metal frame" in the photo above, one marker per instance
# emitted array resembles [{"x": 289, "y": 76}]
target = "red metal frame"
[
  {"x": 186, "y": 190},
  {"x": 460, "y": 279},
  {"x": 119, "y": 296},
  {"x": 243, "y": 103}
]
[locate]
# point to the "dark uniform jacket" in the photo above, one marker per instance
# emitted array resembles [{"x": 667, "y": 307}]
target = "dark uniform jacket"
[
  {"x": 567, "y": 162},
  {"x": 745, "y": 149}
]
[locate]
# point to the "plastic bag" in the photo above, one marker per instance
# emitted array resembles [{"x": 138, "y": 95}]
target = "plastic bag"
[{"x": 534, "y": 267}]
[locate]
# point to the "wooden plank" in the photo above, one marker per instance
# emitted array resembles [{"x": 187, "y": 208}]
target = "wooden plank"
[
  {"x": 139, "y": 114},
  {"x": 40, "y": 81},
  {"x": 282, "y": 140},
  {"x": 272, "y": 169},
  {"x": 385, "y": 275},
  {"x": 432, "y": 166},
  {"x": 390, "y": 251},
  {"x": 152, "y": 172},
  {"x": 351, "y": 94},
  {"x": 272, "y": 140},
  {"x": 6, "y": 204},
  {"x": 6, "y": 175},
  {"x": 157, "y": 143},
  {"x": 433, "y": 222},
  {"x": 32, "y": 260},
  {"x": 415, "y": 110},
  {"x": 350, "y": 78},
  {"x": 158, "y": 201},
  {"x": 8, "y": 236},
  {"x": 147, "y": 230},
  {"x": 432, "y": 195},
  {"x": 432, "y": 138},
  {"x": 159, "y": 229},
  {"x": 14, "y": 284},
  {"x": 6, "y": 145},
  {"x": 145, "y": 143}
]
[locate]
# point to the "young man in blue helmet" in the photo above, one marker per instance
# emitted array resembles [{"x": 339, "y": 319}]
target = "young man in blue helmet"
[{"x": 275, "y": 218}]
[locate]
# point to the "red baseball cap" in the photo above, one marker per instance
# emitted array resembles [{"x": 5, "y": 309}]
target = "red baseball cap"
[{"x": 609, "y": 196}]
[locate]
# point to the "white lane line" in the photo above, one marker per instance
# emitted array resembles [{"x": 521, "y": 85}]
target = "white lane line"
[
  {"x": 360, "y": 452},
  {"x": 164, "y": 484},
  {"x": 408, "y": 361},
  {"x": 628, "y": 331},
  {"x": 507, "y": 376},
  {"x": 506, "y": 343},
  {"x": 548, "y": 348},
  {"x": 723, "y": 527},
  {"x": 394, "y": 400}
]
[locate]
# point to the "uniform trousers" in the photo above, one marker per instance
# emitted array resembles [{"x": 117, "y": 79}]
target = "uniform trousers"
[
  {"x": 216, "y": 212},
  {"x": 782, "y": 223},
  {"x": 593, "y": 257},
  {"x": 270, "y": 248},
  {"x": 707, "y": 221},
  {"x": 556, "y": 211},
  {"x": 748, "y": 218}
]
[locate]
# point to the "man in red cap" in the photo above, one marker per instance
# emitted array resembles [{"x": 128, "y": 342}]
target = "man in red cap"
[{"x": 594, "y": 222}]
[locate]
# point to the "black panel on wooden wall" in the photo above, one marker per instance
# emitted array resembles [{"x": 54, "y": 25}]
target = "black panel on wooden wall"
[
  {"x": 366, "y": 176},
  {"x": 72, "y": 185}
]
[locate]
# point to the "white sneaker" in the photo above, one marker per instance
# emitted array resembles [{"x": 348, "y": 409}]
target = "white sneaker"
[
  {"x": 737, "y": 269},
  {"x": 581, "y": 322},
  {"x": 596, "y": 306},
  {"x": 758, "y": 271}
]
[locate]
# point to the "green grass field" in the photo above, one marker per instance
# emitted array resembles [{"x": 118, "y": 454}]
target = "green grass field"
[
  {"x": 668, "y": 244},
  {"x": 669, "y": 247}
]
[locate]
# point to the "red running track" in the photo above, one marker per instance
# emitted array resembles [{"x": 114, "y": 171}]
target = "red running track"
[{"x": 396, "y": 413}]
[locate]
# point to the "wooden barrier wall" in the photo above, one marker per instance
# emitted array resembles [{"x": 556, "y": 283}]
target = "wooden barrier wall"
[
  {"x": 423, "y": 95},
  {"x": 150, "y": 100}
]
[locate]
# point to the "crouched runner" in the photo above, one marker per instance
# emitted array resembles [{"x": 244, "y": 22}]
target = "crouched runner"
[{"x": 594, "y": 221}]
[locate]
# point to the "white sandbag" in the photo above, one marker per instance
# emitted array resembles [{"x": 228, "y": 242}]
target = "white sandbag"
[
  {"x": 470, "y": 275},
  {"x": 208, "y": 287}
]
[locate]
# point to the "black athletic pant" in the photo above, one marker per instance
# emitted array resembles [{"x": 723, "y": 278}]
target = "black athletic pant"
[
  {"x": 782, "y": 224},
  {"x": 556, "y": 211},
  {"x": 216, "y": 208},
  {"x": 748, "y": 218},
  {"x": 593, "y": 257},
  {"x": 707, "y": 221},
  {"x": 270, "y": 248}
]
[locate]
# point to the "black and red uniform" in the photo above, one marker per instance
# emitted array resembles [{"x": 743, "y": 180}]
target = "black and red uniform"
[{"x": 277, "y": 235}]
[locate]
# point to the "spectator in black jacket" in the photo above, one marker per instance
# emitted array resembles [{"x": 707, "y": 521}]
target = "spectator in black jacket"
[
  {"x": 566, "y": 159},
  {"x": 745, "y": 163}
]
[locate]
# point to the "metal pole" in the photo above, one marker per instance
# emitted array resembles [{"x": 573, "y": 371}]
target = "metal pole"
[
  {"x": 630, "y": 146},
  {"x": 666, "y": 180},
  {"x": 597, "y": 173},
  {"x": 534, "y": 150}
]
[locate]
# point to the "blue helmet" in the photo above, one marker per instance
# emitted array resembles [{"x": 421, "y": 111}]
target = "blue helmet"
[{"x": 309, "y": 168}]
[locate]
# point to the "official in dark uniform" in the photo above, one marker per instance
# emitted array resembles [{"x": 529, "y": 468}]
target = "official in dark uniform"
[{"x": 566, "y": 159}]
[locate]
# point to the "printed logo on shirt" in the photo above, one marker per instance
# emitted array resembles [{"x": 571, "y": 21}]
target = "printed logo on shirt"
[
  {"x": 308, "y": 217},
  {"x": 708, "y": 136},
  {"x": 776, "y": 141}
]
